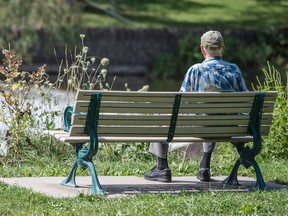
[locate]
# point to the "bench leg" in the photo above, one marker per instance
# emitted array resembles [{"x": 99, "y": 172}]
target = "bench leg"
[
  {"x": 96, "y": 188},
  {"x": 232, "y": 178},
  {"x": 260, "y": 183},
  {"x": 70, "y": 180}
]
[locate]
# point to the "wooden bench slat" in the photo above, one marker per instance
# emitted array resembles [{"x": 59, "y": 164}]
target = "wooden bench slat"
[
  {"x": 86, "y": 94},
  {"x": 167, "y": 107},
  {"x": 162, "y": 131},
  {"x": 147, "y": 120},
  {"x": 141, "y": 139}
]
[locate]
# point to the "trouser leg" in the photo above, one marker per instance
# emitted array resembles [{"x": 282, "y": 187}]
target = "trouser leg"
[
  {"x": 208, "y": 149},
  {"x": 161, "y": 151}
]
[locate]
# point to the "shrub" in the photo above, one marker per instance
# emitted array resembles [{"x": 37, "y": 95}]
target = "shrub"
[
  {"x": 18, "y": 111},
  {"x": 276, "y": 144}
]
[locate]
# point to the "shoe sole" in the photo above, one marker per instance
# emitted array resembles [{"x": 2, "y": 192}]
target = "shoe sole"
[
  {"x": 158, "y": 179},
  {"x": 203, "y": 179}
]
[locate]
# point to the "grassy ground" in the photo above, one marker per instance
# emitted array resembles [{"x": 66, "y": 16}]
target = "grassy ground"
[
  {"x": 135, "y": 160},
  {"x": 17, "y": 201},
  {"x": 191, "y": 13}
]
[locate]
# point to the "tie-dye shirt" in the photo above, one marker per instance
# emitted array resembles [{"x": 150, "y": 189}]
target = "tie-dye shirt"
[{"x": 213, "y": 74}]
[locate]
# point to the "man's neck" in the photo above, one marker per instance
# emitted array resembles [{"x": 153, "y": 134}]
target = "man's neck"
[{"x": 212, "y": 56}]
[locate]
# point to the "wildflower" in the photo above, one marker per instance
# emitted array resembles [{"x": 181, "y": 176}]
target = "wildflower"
[
  {"x": 85, "y": 49},
  {"x": 93, "y": 59},
  {"x": 82, "y": 36},
  {"x": 104, "y": 61},
  {"x": 70, "y": 81},
  {"x": 104, "y": 73},
  {"x": 91, "y": 85},
  {"x": 144, "y": 88}
]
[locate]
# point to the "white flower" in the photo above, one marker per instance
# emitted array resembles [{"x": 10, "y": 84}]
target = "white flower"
[
  {"x": 104, "y": 73},
  {"x": 85, "y": 49},
  {"x": 104, "y": 61},
  {"x": 70, "y": 81},
  {"x": 144, "y": 88}
]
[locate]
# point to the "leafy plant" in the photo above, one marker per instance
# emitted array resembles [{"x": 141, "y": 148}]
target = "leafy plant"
[
  {"x": 276, "y": 144},
  {"x": 18, "y": 110},
  {"x": 82, "y": 71}
]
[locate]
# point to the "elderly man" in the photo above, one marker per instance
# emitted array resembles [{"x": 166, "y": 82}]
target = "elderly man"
[{"x": 213, "y": 74}]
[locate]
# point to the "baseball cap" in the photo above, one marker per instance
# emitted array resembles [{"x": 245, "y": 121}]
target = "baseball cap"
[{"x": 212, "y": 40}]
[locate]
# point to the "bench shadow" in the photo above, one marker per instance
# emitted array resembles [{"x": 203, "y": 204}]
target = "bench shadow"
[{"x": 186, "y": 186}]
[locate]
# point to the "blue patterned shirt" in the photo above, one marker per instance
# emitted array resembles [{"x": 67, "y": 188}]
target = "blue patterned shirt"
[{"x": 213, "y": 74}]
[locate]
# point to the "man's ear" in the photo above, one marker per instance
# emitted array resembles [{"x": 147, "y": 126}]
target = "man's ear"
[{"x": 202, "y": 50}]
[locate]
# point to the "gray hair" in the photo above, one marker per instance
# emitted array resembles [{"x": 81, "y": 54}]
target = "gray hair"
[{"x": 217, "y": 52}]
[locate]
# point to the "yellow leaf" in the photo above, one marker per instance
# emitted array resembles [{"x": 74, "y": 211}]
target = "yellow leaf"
[{"x": 15, "y": 86}]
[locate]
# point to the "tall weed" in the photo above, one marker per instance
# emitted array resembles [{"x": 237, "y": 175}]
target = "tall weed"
[{"x": 276, "y": 144}]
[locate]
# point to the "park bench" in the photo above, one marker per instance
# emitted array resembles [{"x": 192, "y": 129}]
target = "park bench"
[{"x": 130, "y": 117}]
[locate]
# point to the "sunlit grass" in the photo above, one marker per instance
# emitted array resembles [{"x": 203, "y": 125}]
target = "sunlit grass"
[{"x": 189, "y": 13}]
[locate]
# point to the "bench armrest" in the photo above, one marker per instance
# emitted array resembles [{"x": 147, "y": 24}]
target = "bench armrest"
[{"x": 67, "y": 118}]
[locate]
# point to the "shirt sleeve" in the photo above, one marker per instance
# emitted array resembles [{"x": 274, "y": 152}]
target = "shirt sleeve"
[
  {"x": 242, "y": 84},
  {"x": 188, "y": 81}
]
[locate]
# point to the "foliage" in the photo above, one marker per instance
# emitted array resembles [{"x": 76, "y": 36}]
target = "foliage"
[
  {"x": 19, "y": 113},
  {"x": 34, "y": 26},
  {"x": 276, "y": 144},
  {"x": 82, "y": 71},
  {"x": 22, "y": 116}
]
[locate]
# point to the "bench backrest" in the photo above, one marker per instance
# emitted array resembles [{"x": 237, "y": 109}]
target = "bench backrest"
[{"x": 158, "y": 116}]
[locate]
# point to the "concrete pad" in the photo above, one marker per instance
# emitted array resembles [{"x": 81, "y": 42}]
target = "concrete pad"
[{"x": 119, "y": 186}]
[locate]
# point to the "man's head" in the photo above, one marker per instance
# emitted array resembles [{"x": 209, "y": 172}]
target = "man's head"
[{"x": 212, "y": 42}]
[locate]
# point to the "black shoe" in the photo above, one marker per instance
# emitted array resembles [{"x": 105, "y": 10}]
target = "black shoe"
[
  {"x": 158, "y": 175},
  {"x": 204, "y": 174}
]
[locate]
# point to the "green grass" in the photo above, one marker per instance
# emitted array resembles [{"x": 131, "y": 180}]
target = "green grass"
[
  {"x": 18, "y": 201},
  {"x": 135, "y": 160},
  {"x": 191, "y": 13}
]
